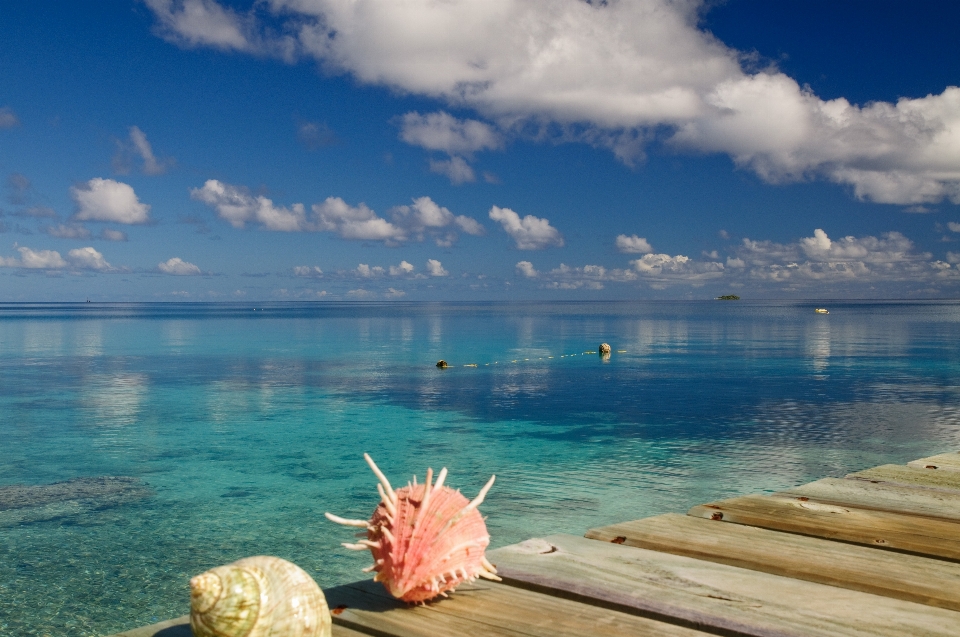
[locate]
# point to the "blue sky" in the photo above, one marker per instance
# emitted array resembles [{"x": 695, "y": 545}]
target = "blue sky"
[{"x": 484, "y": 149}]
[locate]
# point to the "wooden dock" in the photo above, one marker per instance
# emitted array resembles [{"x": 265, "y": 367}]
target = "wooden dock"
[{"x": 874, "y": 553}]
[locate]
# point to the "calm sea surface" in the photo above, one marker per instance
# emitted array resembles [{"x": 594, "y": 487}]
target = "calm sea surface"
[{"x": 236, "y": 426}]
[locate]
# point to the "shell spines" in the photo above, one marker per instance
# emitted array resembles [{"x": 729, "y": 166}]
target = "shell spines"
[{"x": 426, "y": 539}]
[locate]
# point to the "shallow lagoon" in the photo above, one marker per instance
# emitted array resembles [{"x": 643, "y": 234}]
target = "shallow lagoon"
[{"x": 242, "y": 424}]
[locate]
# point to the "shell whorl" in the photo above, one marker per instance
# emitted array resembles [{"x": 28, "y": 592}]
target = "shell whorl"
[
  {"x": 256, "y": 597},
  {"x": 425, "y": 539}
]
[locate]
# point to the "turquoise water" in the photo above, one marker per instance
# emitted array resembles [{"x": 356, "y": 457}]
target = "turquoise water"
[{"x": 242, "y": 424}]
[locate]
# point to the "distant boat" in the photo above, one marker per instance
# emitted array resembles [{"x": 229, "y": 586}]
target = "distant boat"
[{"x": 821, "y": 310}]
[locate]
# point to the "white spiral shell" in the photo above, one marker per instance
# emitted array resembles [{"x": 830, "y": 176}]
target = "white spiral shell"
[{"x": 257, "y": 597}]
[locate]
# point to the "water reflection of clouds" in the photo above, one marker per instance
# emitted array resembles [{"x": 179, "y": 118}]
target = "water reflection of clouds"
[
  {"x": 818, "y": 345},
  {"x": 88, "y": 338},
  {"x": 115, "y": 399},
  {"x": 43, "y": 338}
]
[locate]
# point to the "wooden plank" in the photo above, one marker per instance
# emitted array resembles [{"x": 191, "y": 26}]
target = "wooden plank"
[
  {"x": 882, "y": 497},
  {"x": 487, "y": 609},
  {"x": 721, "y": 599},
  {"x": 946, "y": 461},
  {"x": 910, "y": 477},
  {"x": 879, "y": 529},
  {"x": 180, "y": 627},
  {"x": 917, "y": 579}
]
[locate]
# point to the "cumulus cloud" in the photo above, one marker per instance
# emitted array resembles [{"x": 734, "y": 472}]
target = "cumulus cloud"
[
  {"x": 890, "y": 257},
  {"x": 587, "y": 277},
  {"x": 526, "y": 269},
  {"x": 34, "y": 260},
  {"x": 681, "y": 267},
  {"x": 458, "y": 138},
  {"x": 393, "y": 293},
  {"x": 444, "y": 132},
  {"x": 178, "y": 267},
  {"x": 529, "y": 233},
  {"x": 435, "y": 268},
  {"x": 308, "y": 271},
  {"x": 78, "y": 259},
  {"x": 88, "y": 259},
  {"x": 367, "y": 272},
  {"x": 422, "y": 218},
  {"x": 8, "y": 119},
  {"x": 108, "y": 200},
  {"x": 607, "y": 73},
  {"x": 355, "y": 222},
  {"x": 425, "y": 216},
  {"x": 633, "y": 244},
  {"x": 238, "y": 206},
  {"x": 954, "y": 226},
  {"x": 403, "y": 268}
]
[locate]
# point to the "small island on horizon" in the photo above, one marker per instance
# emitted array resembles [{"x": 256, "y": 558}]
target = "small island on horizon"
[{"x": 728, "y": 297}]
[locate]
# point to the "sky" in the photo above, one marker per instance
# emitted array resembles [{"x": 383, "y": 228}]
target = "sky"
[{"x": 329, "y": 150}]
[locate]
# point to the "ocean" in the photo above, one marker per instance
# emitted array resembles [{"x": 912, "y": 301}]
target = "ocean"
[{"x": 142, "y": 444}]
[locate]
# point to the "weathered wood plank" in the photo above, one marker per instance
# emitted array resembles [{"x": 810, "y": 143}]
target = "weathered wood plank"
[
  {"x": 721, "y": 599},
  {"x": 487, "y": 609},
  {"x": 916, "y": 579},
  {"x": 910, "y": 477},
  {"x": 882, "y": 497},
  {"x": 947, "y": 461},
  {"x": 180, "y": 627},
  {"x": 879, "y": 529}
]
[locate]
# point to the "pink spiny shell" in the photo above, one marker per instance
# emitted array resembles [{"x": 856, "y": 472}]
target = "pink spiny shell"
[{"x": 425, "y": 539}]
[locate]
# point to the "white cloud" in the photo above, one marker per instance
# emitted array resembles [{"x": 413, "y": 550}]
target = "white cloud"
[
  {"x": 237, "y": 206},
  {"x": 393, "y": 293},
  {"x": 954, "y": 226},
  {"x": 526, "y": 269},
  {"x": 953, "y": 257},
  {"x": 607, "y": 73},
  {"x": 402, "y": 269},
  {"x": 80, "y": 259},
  {"x": 456, "y": 169},
  {"x": 367, "y": 272},
  {"x": 62, "y": 231},
  {"x": 442, "y": 131},
  {"x": 425, "y": 216},
  {"x": 34, "y": 260},
  {"x": 890, "y": 257},
  {"x": 193, "y": 23},
  {"x": 178, "y": 267},
  {"x": 529, "y": 233},
  {"x": 108, "y": 234},
  {"x": 435, "y": 268},
  {"x": 308, "y": 271},
  {"x": 359, "y": 222},
  {"x": 590, "y": 277},
  {"x": 88, "y": 259},
  {"x": 108, "y": 200},
  {"x": 8, "y": 119},
  {"x": 633, "y": 244},
  {"x": 151, "y": 165}
]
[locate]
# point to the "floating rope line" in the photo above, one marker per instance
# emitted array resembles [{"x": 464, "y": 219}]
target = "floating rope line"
[{"x": 442, "y": 364}]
